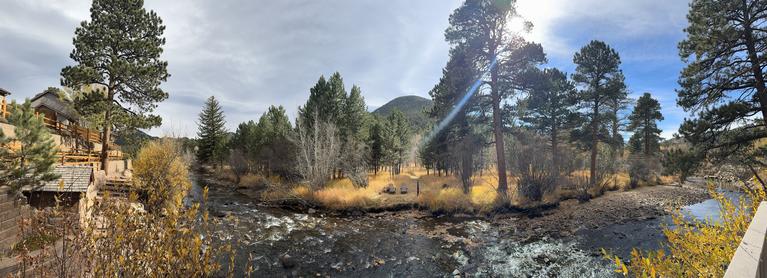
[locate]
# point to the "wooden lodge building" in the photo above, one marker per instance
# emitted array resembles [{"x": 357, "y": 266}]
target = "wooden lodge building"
[{"x": 79, "y": 152}]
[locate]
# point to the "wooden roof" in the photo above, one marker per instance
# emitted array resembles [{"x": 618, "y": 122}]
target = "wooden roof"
[
  {"x": 52, "y": 101},
  {"x": 73, "y": 179}
]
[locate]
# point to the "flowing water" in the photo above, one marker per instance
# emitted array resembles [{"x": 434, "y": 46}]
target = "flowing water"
[{"x": 280, "y": 243}]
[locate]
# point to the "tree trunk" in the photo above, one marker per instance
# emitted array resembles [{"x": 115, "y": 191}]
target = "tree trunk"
[
  {"x": 647, "y": 138},
  {"x": 107, "y": 134},
  {"x": 756, "y": 68},
  {"x": 554, "y": 149},
  {"x": 498, "y": 132},
  {"x": 594, "y": 144}
]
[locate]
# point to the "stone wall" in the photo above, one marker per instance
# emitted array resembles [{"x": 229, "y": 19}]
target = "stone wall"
[{"x": 11, "y": 210}]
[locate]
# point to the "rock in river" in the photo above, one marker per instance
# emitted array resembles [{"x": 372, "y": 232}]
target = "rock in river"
[{"x": 287, "y": 261}]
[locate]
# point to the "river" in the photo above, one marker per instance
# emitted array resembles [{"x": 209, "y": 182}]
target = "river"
[{"x": 282, "y": 243}]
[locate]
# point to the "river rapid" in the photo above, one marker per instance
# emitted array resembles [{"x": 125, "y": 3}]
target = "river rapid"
[{"x": 282, "y": 243}]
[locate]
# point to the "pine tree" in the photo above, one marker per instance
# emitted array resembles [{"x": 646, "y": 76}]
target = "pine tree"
[
  {"x": 480, "y": 27},
  {"x": 597, "y": 67},
  {"x": 551, "y": 108},
  {"x": 376, "y": 144},
  {"x": 457, "y": 77},
  {"x": 355, "y": 115},
  {"x": 724, "y": 79},
  {"x": 119, "y": 51},
  {"x": 396, "y": 138},
  {"x": 29, "y": 154},
  {"x": 643, "y": 124},
  {"x": 211, "y": 133},
  {"x": 275, "y": 150},
  {"x": 326, "y": 101},
  {"x": 617, "y": 102}
]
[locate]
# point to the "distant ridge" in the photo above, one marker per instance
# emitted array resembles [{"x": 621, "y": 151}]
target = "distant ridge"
[{"x": 412, "y": 106}]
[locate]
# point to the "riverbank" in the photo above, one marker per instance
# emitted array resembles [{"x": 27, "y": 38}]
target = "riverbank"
[
  {"x": 566, "y": 219},
  {"x": 558, "y": 242}
]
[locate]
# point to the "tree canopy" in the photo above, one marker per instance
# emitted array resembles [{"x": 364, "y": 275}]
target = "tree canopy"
[
  {"x": 643, "y": 122},
  {"x": 118, "y": 51}
]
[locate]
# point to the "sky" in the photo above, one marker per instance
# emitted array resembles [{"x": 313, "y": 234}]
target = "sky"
[{"x": 253, "y": 54}]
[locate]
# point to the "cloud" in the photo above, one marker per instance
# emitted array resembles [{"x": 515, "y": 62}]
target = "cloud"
[
  {"x": 249, "y": 54},
  {"x": 252, "y": 54}
]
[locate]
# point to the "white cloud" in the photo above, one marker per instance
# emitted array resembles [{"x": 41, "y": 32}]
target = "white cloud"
[{"x": 556, "y": 21}]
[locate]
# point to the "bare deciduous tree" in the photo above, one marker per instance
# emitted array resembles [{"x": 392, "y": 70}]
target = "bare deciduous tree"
[{"x": 318, "y": 151}]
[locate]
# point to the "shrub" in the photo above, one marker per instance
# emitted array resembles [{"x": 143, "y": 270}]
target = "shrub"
[
  {"x": 533, "y": 185},
  {"x": 121, "y": 240},
  {"x": 696, "y": 248},
  {"x": 238, "y": 164},
  {"x": 161, "y": 171},
  {"x": 642, "y": 170}
]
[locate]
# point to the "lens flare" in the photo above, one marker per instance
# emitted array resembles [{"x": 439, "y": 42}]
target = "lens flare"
[{"x": 458, "y": 106}]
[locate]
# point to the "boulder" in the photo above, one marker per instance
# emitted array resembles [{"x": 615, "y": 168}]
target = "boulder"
[
  {"x": 390, "y": 189},
  {"x": 287, "y": 261}
]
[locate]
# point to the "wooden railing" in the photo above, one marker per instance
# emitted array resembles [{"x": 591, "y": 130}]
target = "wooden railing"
[{"x": 72, "y": 130}]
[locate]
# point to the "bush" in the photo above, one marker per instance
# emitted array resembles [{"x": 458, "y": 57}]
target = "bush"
[
  {"x": 121, "y": 240},
  {"x": 534, "y": 185},
  {"x": 161, "y": 171},
  {"x": 696, "y": 248},
  {"x": 642, "y": 171}
]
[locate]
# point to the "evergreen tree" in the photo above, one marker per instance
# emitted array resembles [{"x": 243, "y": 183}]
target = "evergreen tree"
[
  {"x": 457, "y": 76},
  {"x": 326, "y": 101},
  {"x": 211, "y": 133},
  {"x": 396, "y": 139},
  {"x": 247, "y": 141},
  {"x": 118, "y": 50},
  {"x": 354, "y": 115},
  {"x": 616, "y": 104},
  {"x": 550, "y": 108},
  {"x": 27, "y": 155},
  {"x": 643, "y": 124},
  {"x": 480, "y": 27},
  {"x": 377, "y": 145},
  {"x": 275, "y": 150},
  {"x": 724, "y": 80},
  {"x": 597, "y": 68}
]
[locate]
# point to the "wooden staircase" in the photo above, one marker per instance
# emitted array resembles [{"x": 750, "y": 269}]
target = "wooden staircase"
[{"x": 118, "y": 187}]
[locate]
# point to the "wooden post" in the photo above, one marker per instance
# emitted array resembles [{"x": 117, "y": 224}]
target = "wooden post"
[
  {"x": 5, "y": 108},
  {"x": 417, "y": 187}
]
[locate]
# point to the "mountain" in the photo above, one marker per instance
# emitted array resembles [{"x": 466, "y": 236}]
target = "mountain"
[{"x": 413, "y": 107}]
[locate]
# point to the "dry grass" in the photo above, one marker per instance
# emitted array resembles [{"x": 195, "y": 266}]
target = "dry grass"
[
  {"x": 484, "y": 198},
  {"x": 666, "y": 180},
  {"x": 342, "y": 194},
  {"x": 448, "y": 200}
]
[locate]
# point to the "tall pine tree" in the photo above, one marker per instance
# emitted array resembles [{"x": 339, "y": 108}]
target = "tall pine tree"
[
  {"x": 211, "y": 133},
  {"x": 643, "y": 122},
  {"x": 723, "y": 82},
  {"x": 119, "y": 51},
  {"x": 481, "y": 28},
  {"x": 597, "y": 68},
  {"x": 551, "y": 108}
]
